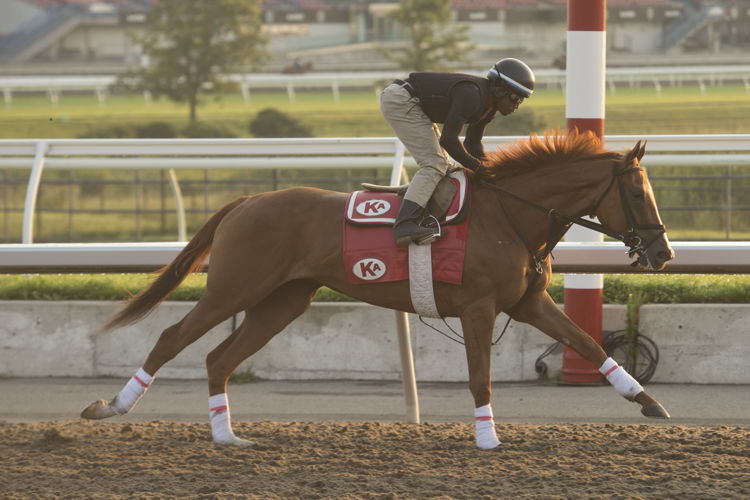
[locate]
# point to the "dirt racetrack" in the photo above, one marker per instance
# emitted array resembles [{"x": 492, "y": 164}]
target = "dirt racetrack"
[{"x": 80, "y": 459}]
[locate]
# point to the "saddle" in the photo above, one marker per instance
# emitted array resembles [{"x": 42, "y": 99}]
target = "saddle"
[
  {"x": 378, "y": 205},
  {"x": 440, "y": 201},
  {"x": 370, "y": 252}
]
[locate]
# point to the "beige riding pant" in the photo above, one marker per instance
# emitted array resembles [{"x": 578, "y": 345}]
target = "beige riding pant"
[{"x": 421, "y": 138}]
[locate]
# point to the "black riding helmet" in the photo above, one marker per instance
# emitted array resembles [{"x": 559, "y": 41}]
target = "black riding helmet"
[{"x": 514, "y": 75}]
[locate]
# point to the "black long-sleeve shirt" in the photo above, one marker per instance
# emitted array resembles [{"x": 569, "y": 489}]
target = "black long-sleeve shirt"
[{"x": 455, "y": 99}]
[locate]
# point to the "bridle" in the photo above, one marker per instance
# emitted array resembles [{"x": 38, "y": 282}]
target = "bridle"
[
  {"x": 631, "y": 238},
  {"x": 561, "y": 222}
]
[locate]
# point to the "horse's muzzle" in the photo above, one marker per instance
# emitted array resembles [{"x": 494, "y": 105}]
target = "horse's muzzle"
[{"x": 656, "y": 256}]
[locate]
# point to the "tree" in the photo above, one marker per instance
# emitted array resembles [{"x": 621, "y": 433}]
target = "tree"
[
  {"x": 435, "y": 40},
  {"x": 273, "y": 123},
  {"x": 191, "y": 45}
]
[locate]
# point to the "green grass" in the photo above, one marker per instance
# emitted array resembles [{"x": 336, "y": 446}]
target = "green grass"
[
  {"x": 246, "y": 376},
  {"x": 656, "y": 288},
  {"x": 678, "y": 110}
]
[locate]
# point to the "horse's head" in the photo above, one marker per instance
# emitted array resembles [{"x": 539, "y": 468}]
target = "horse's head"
[{"x": 631, "y": 210}]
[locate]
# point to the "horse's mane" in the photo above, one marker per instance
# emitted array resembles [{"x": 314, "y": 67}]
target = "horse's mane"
[{"x": 551, "y": 148}]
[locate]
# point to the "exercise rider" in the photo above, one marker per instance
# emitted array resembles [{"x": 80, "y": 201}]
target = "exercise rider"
[{"x": 414, "y": 106}]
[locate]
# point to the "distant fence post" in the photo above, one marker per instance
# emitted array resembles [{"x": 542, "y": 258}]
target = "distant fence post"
[{"x": 32, "y": 190}]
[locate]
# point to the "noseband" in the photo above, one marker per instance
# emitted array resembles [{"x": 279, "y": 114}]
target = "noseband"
[{"x": 631, "y": 238}]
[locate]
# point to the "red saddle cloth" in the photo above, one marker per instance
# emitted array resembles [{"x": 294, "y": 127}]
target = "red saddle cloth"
[{"x": 370, "y": 252}]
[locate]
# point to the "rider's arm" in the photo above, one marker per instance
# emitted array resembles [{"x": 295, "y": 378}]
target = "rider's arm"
[
  {"x": 474, "y": 134},
  {"x": 465, "y": 101}
]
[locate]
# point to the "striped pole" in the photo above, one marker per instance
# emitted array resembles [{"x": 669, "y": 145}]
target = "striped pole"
[{"x": 585, "y": 86}]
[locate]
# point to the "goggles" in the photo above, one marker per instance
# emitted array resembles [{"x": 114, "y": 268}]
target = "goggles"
[{"x": 515, "y": 98}]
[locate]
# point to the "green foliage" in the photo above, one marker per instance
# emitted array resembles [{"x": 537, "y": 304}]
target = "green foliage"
[
  {"x": 206, "y": 130},
  {"x": 159, "y": 130},
  {"x": 190, "y": 44},
  {"x": 618, "y": 288},
  {"x": 155, "y": 130},
  {"x": 69, "y": 287},
  {"x": 108, "y": 132},
  {"x": 271, "y": 122},
  {"x": 435, "y": 41},
  {"x": 246, "y": 376},
  {"x": 669, "y": 289},
  {"x": 678, "y": 110}
]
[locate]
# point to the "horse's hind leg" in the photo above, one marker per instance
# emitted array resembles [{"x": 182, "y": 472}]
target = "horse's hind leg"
[
  {"x": 260, "y": 324},
  {"x": 206, "y": 314},
  {"x": 541, "y": 311}
]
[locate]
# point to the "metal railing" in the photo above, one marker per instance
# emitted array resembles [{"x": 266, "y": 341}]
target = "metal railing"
[
  {"x": 54, "y": 85},
  {"x": 277, "y": 155},
  {"x": 691, "y": 257}
]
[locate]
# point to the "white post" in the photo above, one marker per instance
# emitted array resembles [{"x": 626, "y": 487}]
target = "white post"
[
  {"x": 245, "y": 92},
  {"x": 32, "y": 190},
  {"x": 398, "y": 164},
  {"x": 408, "y": 376},
  {"x": 335, "y": 90},
  {"x": 585, "y": 97},
  {"x": 101, "y": 95},
  {"x": 54, "y": 96},
  {"x": 290, "y": 92},
  {"x": 180, "y": 206}
]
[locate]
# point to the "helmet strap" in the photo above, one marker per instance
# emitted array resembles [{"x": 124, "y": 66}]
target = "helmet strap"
[{"x": 499, "y": 90}]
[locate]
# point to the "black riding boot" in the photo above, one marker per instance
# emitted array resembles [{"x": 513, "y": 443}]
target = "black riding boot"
[{"x": 407, "y": 227}]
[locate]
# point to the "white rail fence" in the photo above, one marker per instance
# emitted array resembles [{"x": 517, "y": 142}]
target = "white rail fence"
[
  {"x": 723, "y": 257},
  {"x": 656, "y": 77},
  {"x": 349, "y": 153}
]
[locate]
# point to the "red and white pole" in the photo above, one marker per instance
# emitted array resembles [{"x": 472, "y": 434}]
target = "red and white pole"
[{"x": 585, "y": 87}]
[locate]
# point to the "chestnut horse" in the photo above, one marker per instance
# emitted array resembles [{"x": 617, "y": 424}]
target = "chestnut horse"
[{"x": 271, "y": 252}]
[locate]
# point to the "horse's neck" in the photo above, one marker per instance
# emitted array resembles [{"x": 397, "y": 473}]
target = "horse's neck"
[{"x": 571, "y": 189}]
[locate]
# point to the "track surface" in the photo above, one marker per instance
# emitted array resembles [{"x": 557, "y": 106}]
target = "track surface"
[
  {"x": 158, "y": 459},
  {"x": 344, "y": 440}
]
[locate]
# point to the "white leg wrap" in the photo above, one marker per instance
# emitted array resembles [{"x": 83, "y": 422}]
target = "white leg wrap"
[
  {"x": 625, "y": 385},
  {"x": 221, "y": 422},
  {"x": 129, "y": 396},
  {"x": 485, "y": 428}
]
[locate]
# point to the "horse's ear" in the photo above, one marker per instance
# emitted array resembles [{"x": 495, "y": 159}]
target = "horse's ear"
[
  {"x": 633, "y": 153},
  {"x": 642, "y": 151}
]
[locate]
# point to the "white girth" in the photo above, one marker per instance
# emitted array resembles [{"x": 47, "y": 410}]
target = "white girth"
[{"x": 420, "y": 280}]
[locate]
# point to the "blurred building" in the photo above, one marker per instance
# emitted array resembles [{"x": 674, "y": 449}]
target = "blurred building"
[{"x": 87, "y": 36}]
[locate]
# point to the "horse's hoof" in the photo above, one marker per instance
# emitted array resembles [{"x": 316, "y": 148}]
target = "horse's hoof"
[
  {"x": 489, "y": 446},
  {"x": 98, "y": 410},
  {"x": 234, "y": 441},
  {"x": 655, "y": 411}
]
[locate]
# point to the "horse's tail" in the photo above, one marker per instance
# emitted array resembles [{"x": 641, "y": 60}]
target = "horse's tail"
[{"x": 189, "y": 260}]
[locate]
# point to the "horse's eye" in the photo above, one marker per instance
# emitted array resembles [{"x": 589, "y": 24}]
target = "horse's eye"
[{"x": 638, "y": 195}]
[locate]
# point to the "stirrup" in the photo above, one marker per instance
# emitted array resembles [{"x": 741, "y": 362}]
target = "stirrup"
[{"x": 437, "y": 233}]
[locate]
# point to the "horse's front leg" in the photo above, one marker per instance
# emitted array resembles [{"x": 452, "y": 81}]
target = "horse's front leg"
[
  {"x": 540, "y": 311},
  {"x": 477, "y": 323}
]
